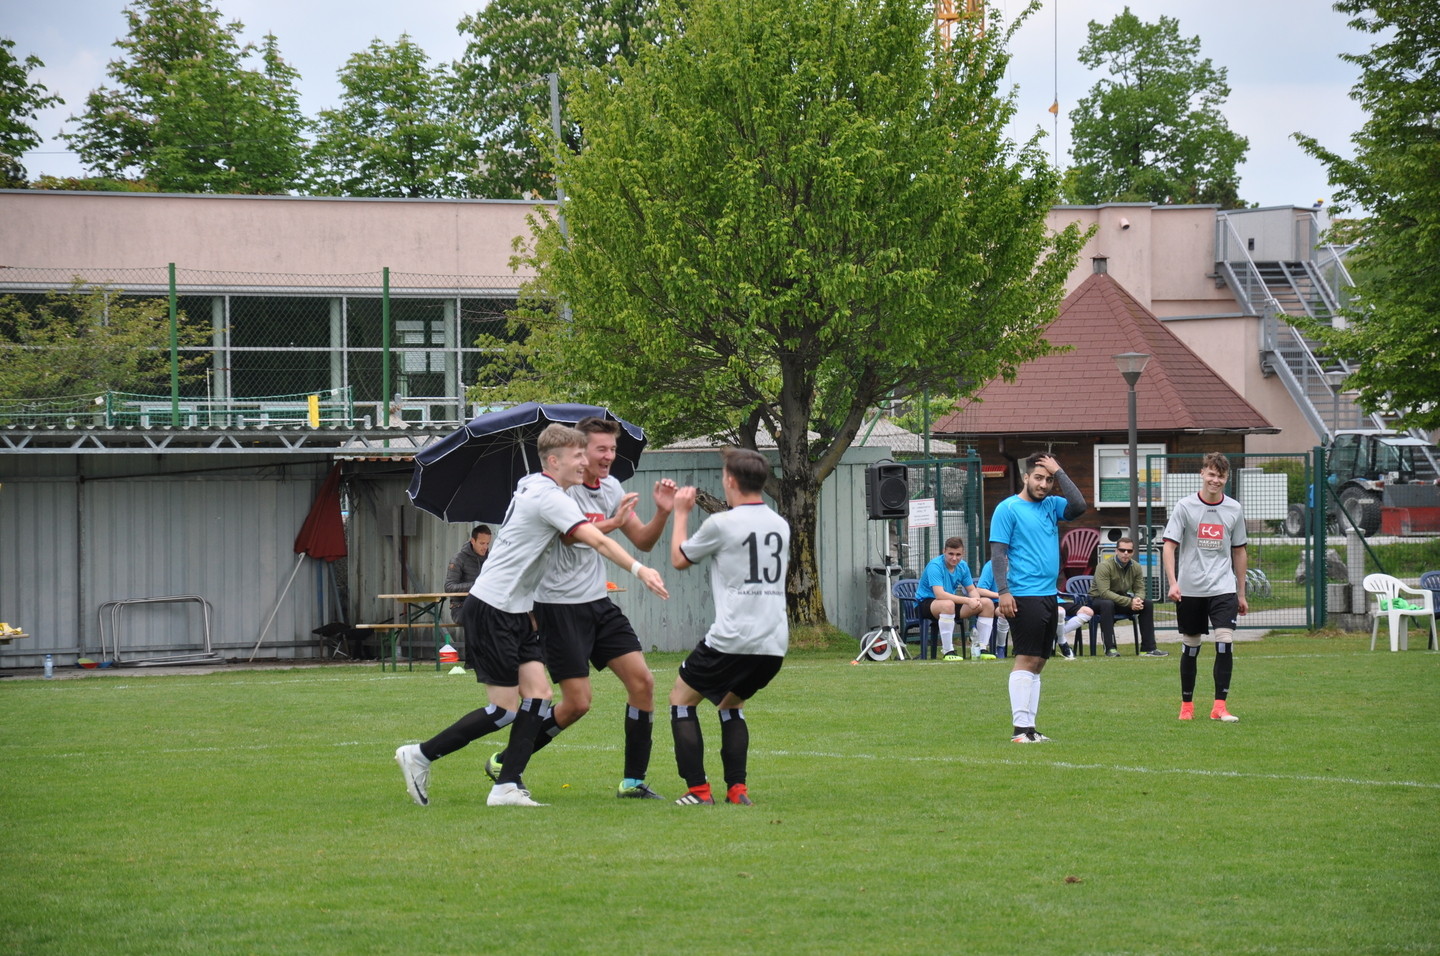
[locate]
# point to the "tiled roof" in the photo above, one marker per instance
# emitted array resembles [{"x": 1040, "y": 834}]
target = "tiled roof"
[{"x": 1082, "y": 391}]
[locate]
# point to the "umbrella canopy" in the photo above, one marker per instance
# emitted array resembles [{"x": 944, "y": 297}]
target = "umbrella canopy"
[
  {"x": 470, "y": 474},
  {"x": 323, "y": 533}
]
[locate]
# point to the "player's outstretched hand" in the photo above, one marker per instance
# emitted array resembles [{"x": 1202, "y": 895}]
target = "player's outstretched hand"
[
  {"x": 685, "y": 498},
  {"x": 651, "y": 579},
  {"x": 628, "y": 501},
  {"x": 665, "y": 494}
]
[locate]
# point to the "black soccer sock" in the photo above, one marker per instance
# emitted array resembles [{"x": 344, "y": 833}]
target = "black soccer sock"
[
  {"x": 549, "y": 728},
  {"x": 533, "y": 711},
  {"x": 689, "y": 744},
  {"x": 639, "y": 731},
  {"x": 734, "y": 745},
  {"x": 472, "y": 726},
  {"x": 1224, "y": 667},
  {"x": 1189, "y": 667}
]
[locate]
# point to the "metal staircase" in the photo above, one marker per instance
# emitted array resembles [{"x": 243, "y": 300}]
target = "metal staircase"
[{"x": 1278, "y": 291}]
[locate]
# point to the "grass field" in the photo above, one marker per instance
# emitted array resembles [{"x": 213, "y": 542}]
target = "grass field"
[{"x": 261, "y": 812}]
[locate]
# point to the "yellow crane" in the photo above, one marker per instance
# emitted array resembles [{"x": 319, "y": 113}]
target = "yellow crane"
[{"x": 946, "y": 16}]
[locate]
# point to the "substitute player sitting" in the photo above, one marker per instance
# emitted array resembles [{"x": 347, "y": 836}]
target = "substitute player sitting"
[{"x": 946, "y": 591}]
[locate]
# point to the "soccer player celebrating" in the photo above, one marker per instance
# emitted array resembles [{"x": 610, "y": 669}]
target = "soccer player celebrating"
[
  {"x": 501, "y": 645},
  {"x": 1025, "y": 560},
  {"x": 580, "y": 625},
  {"x": 743, "y": 650},
  {"x": 1205, "y": 562}
]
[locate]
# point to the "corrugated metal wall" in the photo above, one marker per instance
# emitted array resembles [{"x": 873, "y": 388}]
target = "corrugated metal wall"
[{"x": 79, "y": 531}]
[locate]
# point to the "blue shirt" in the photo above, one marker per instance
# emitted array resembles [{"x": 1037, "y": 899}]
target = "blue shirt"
[
  {"x": 936, "y": 574},
  {"x": 1032, "y": 531}
]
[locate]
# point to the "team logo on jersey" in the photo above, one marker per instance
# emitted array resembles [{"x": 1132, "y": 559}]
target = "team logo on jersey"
[{"x": 1210, "y": 535}]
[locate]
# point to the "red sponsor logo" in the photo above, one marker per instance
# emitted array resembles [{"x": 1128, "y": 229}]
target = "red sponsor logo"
[
  {"x": 594, "y": 517},
  {"x": 1212, "y": 532}
]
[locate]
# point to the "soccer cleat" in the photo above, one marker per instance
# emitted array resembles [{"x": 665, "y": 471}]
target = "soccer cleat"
[
  {"x": 987, "y": 657},
  {"x": 1187, "y": 710},
  {"x": 417, "y": 772},
  {"x": 1218, "y": 712},
  {"x": 1067, "y": 652},
  {"x": 952, "y": 656},
  {"x": 1111, "y": 652},
  {"x": 1155, "y": 653},
  {"x": 639, "y": 792},
  {"x": 510, "y": 795},
  {"x": 1030, "y": 737},
  {"x": 692, "y": 800},
  {"x": 493, "y": 766},
  {"x": 738, "y": 794}
]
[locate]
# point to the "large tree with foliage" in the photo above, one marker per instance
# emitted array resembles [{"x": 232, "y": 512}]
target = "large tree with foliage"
[
  {"x": 86, "y": 339},
  {"x": 784, "y": 213},
  {"x": 188, "y": 111},
  {"x": 501, "y": 82},
  {"x": 1152, "y": 131},
  {"x": 21, "y": 100},
  {"x": 1391, "y": 336},
  {"x": 391, "y": 133}
]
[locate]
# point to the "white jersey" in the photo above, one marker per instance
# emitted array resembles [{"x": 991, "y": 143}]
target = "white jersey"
[
  {"x": 1206, "y": 535},
  {"x": 575, "y": 573},
  {"x": 539, "y": 514},
  {"x": 751, "y": 548}
]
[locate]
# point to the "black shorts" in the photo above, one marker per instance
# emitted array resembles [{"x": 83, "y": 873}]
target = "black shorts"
[
  {"x": 713, "y": 674},
  {"x": 1032, "y": 629},
  {"x": 497, "y": 642},
  {"x": 574, "y": 636},
  {"x": 1196, "y": 615}
]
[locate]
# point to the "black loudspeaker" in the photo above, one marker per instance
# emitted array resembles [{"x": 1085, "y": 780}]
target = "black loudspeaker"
[{"x": 887, "y": 490}]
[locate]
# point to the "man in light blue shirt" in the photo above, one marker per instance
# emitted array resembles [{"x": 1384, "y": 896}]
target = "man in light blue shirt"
[
  {"x": 946, "y": 591},
  {"x": 1025, "y": 558}
]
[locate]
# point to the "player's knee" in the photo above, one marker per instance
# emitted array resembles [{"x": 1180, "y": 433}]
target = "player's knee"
[
  {"x": 1190, "y": 640},
  {"x": 1225, "y": 636}
]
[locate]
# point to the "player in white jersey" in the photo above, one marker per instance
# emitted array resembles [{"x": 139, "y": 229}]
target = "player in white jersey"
[
  {"x": 580, "y": 625},
  {"x": 500, "y": 641},
  {"x": 742, "y": 651},
  {"x": 1207, "y": 534}
]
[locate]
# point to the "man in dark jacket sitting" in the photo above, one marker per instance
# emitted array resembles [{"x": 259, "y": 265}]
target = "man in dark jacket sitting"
[{"x": 1120, "y": 585}]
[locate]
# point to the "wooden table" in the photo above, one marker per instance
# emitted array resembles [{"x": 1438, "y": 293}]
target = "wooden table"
[{"x": 412, "y": 608}]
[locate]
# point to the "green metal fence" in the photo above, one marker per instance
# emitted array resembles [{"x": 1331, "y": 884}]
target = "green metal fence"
[
  {"x": 945, "y": 501},
  {"x": 400, "y": 347}
]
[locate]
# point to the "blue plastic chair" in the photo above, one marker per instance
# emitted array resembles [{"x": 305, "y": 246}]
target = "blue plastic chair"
[{"x": 1430, "y": 581}]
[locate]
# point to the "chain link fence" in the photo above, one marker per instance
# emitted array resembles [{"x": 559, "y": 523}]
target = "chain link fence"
[{"x": 383, "y": 348}]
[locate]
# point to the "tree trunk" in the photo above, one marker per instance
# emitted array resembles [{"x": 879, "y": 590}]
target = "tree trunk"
[{"x": 799, "y": 502}]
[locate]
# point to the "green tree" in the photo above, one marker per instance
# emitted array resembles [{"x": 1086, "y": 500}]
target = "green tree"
[
  {"x": 1152, "y": 131},
  {"x": 20, "y": 104},
  {"x": 501, "y": 90},
  {"x": 782, "y": 214},
  {"x": 87, "y": 340},
  {"x": 187, "y": 113},
  {"x": 391, "y": 133},
  {"x": 1391, "y": 334}
]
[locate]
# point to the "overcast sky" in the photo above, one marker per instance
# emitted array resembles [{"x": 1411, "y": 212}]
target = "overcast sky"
[{"x": 1281, "y": 55}]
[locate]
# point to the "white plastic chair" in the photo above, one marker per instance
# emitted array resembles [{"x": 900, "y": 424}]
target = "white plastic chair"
[{"x": 1386, "y": 589}]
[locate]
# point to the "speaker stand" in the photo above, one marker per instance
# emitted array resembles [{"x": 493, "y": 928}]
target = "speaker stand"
[{"x": 877, "y": 644}]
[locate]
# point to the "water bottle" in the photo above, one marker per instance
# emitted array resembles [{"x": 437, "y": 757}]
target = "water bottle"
[{"x": 49, "y": 666}]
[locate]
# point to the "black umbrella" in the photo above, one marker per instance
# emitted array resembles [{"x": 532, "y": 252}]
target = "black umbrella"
[{"x": 470, "y": 475}]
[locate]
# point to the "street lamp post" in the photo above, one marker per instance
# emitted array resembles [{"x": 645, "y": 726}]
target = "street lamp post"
[{"x": 1131, "y": 364}]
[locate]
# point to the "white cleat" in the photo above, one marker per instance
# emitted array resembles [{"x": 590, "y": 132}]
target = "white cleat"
[
  {"x": 510, "y": 795},
  {"x": 417, "y": 772}
]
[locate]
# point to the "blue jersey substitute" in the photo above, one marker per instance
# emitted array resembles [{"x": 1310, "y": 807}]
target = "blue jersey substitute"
[{"x": 936, "y": 574}]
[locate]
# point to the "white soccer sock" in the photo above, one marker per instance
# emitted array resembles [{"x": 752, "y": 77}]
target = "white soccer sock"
[
  {"x": 1021, "y": 715},
  {"x": 1034, "y": 698},
  {"x": 1081, "y": 618},
  {"x": 947, "y": 632},
  {"x": 983, "y": 627}
]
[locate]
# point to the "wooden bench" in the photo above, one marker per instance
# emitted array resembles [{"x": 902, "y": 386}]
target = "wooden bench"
[{"x": 391, "y": 639}]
